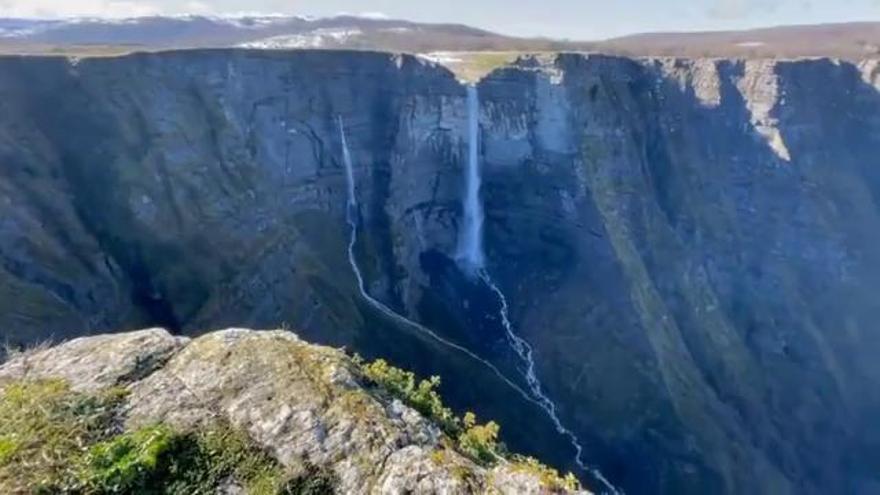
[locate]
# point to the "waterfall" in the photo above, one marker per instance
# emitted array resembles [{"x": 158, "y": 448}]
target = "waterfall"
[
  {"x": 524, "y": 351},
  {"x": 470, "y": 246},
  {"x": 471, "y": 259},
  {"x": 352, "y": 218}
]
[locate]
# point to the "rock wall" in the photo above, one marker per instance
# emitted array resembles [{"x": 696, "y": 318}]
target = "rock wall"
[
  {"x": 689, "y": 245},
  {"x": 308, "y": 406}
]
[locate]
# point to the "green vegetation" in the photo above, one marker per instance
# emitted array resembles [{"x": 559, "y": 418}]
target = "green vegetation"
[
  {"x": 125, "y": 462},
  {"x": 55, "y": 440},
  {"x": 43, "y": 431},
  {"x": 549, "y": 477},
  {"x": 477, "y": 441},
  {"x": 420, "y": 395},
  {"x": 473, "y": 66}
]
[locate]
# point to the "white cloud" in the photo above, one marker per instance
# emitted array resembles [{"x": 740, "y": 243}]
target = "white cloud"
[
  {"x": 95, "y": 8},
  {"x": 740, "y": 9},
  {"x": 196, "y": 7},
  {"x": 72, "y": 8}
]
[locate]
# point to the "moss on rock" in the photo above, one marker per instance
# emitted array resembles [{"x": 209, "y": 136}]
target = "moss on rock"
[{"x": 55, "y": 440}]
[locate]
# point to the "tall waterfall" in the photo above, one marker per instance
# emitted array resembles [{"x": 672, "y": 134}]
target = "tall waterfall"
[
  {"x": 470, "y": 246},
  {"x": 352, "y": 217},
  {"x": 471, "y": 259}
]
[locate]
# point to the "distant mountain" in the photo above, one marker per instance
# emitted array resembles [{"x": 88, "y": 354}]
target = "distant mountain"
[
  {"x": 277, "y": 32},
  {"x": 93, "y": 36},
  {"x": 847, "y": 40}
]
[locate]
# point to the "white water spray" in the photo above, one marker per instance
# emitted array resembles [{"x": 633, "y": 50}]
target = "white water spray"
[
  {"x": 470, "y": 246},
  {"x": 472, "y": 259},
  {"x": 351, "y": 216}
]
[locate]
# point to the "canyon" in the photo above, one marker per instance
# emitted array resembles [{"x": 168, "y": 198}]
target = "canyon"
[{"x": 686, "y": 248}]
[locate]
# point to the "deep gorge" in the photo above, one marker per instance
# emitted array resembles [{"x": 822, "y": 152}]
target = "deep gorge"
[{"x": 687, "y": 245}]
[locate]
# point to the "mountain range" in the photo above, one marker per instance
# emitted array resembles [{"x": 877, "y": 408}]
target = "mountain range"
[{"x": 95, "y": 36}]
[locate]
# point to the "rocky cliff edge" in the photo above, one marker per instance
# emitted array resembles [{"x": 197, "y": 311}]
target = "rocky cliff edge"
[{"x": 309, "y": 408}]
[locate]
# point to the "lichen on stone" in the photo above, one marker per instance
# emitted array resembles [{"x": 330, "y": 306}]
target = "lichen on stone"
[{"x": 236, "y": 411}]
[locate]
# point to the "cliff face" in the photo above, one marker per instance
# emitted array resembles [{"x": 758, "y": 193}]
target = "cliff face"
[
  {"x": 310, "y": 408},
  {"x": 689, "y": 246}
]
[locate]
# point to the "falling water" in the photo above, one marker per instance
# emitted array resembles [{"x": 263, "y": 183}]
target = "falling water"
[
  {"x": 472, "y": 259},
  {"x": 352, "y": 219},
  {"x": 524, "y": 350},
  {"x": 470, "y": 248}
]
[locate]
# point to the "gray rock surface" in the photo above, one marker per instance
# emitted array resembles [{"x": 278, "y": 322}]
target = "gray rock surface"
[
  {"x": 93, "y": 363},
  {"x": 305, "y": 404}
]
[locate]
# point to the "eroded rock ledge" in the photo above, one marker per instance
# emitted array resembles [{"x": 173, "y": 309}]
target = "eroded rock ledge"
[{"x": 307, "y": 406}]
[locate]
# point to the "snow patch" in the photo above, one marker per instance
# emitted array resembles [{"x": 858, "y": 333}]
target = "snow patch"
[
  {"x": 442, "y": 57},
  {"x": 319, "y": 38},
  {"x": 398, "y": 30}
]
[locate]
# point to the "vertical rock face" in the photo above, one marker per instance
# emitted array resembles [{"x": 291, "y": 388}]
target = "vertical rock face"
[
  {"x": 193, "y": 182},
  {"x": 694, "y": 260},
  {"x": 689, "y": 245}
]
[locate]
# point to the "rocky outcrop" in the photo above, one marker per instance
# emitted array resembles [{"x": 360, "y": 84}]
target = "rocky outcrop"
[
  {"x": 308, "y": 406},
  {"x": 688, "y": 245}
]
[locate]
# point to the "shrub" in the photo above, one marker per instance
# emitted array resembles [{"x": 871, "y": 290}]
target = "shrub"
[
  {"x": 549, "y": 477},
  {"x": 479, "y": 441},
  {"x": 421, "y": 396}
]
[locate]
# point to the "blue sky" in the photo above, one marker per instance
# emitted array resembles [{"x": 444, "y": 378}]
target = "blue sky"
[{"x": 584, "y": 19}]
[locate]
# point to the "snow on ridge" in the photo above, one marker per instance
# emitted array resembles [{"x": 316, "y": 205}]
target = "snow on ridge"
[
  {"x": 750, "y": 44},
  {"x": 319, "y": 38},
  {"x": 442, "y": 57},
  {"x": 373, "y": 16}
]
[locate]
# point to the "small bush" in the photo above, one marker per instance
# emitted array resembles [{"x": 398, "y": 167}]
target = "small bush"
[
  {"x": 479, "y": 441},
  {"x": 549, "y": 477},
  {"x": 421, "y": 396}
]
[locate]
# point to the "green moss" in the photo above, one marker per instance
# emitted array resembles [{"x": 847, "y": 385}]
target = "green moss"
[
  {"x": 126, "y": 462},
  {"x": 550, "y": 478},
  {"x": 55, "y": 440},
  {"x": 443, "y": 459},
  {"x": 202, "y": 460},
  {"x": 313, "y": 482},
  {"x": 44, "y": 429},
  {"x": 8, "y": 448}
]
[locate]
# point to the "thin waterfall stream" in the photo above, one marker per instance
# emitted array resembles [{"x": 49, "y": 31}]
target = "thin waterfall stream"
[
  {"x": 471, "y": 258},
  {"x": 352, "y": 218}
]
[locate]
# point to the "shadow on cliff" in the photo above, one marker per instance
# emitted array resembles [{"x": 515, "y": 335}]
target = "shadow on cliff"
[{"x": 708, "y": 278}]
